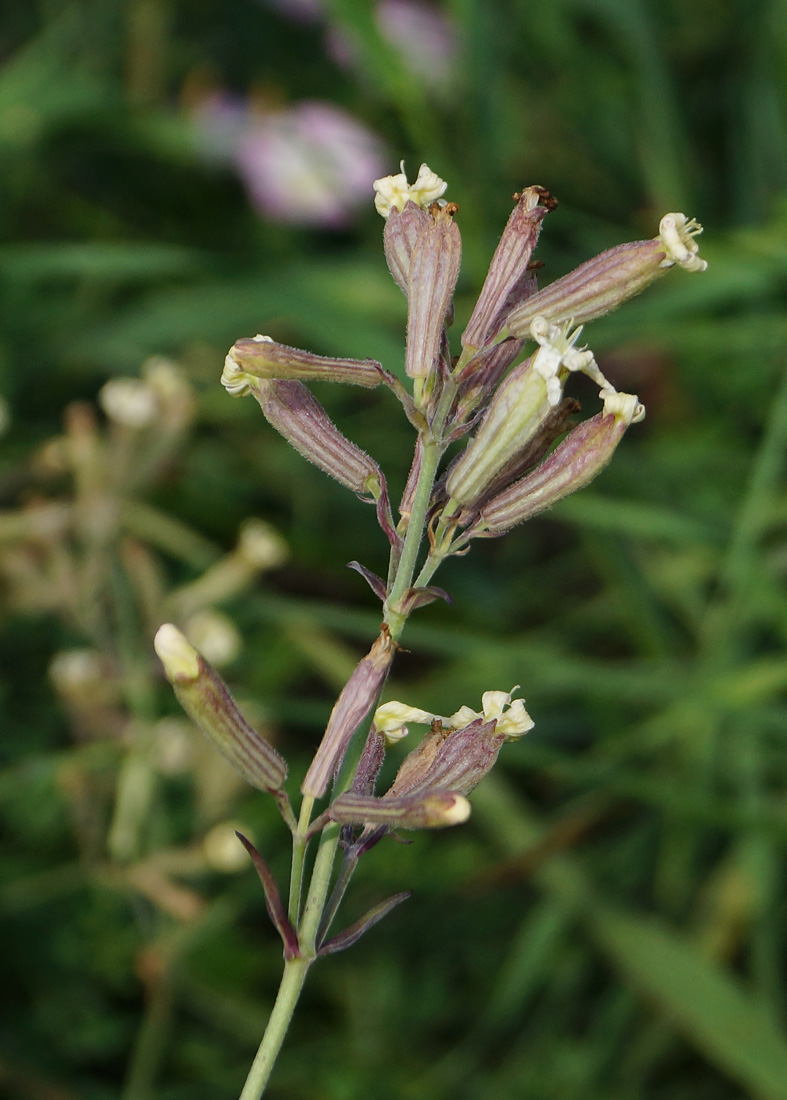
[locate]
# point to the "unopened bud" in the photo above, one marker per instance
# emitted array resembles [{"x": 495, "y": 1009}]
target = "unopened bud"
[
  {"x": 571, "y": 466},
  {"x": 206, "y": 699},
  {"x": 509, "y": 280},
  {"x": 263, "y": 358},
  {"x": 434, "y": 810},
  {"x": 358, "y": 696},
  {"x": 612, "y": 278},
  {"x": 292, "y": 410},
  {"x": 434, "y": 269}
]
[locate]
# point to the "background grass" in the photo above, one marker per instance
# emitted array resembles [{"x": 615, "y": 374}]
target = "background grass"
[{"x": 610, "y": 924}]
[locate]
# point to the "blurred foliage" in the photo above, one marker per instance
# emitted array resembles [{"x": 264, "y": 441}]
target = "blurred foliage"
[{"x": 611, "y": 924}]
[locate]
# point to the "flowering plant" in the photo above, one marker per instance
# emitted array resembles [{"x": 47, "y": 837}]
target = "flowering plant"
[{"x": 504, "y": 394}]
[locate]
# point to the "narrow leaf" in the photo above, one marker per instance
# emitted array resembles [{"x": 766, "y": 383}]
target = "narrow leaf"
[
  {"x": 273, "y": 902},
  {"x": 708, "y": 1006},
  {"x": 352, "y": 934}
]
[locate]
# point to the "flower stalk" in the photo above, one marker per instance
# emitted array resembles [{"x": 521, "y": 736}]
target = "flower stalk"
[{"x": 505, "y": 395}]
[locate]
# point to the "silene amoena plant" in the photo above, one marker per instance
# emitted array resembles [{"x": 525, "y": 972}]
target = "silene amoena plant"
[{"x": 503, "y": 396}]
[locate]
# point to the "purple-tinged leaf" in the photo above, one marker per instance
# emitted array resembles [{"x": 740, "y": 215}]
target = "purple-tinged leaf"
[
  {"x": 422, "y": 597},
  {"x": 352, "y": 934},
  {"x": 377, "y": 584},
  {"x": 273, "y": 902}
]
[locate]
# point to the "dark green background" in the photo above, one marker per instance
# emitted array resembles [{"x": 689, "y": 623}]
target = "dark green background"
[{"x": 610, "y": 925}]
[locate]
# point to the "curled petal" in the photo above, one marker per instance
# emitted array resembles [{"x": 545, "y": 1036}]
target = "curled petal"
[{"x": 394, "y": 192}]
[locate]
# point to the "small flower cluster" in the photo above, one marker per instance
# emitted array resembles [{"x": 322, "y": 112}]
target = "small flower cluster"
[{"x": 504, "y": 393}]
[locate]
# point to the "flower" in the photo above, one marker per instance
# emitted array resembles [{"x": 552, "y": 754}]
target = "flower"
[
  {"x": 510, "y": 718},
  {"x": 308, "y": 164},
  {"x": 394, "y": 192}
]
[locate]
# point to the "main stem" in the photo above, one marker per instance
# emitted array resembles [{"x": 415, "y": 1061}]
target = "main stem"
[
  {"x": 289, "y": 991},
  {"x": 295, "y": 970}
]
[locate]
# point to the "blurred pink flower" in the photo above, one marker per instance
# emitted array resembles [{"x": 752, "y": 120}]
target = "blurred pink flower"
[
  {"x": 419, "y": 31},
  {"x": 308, "y": 164},
  {"x": 423, "y": 35}
]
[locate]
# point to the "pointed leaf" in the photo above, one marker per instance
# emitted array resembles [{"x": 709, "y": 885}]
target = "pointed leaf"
[
  {"x": 377, "y": 584},
  {"x": 710, "y": 1007},
  {"x": 273, "y": 902},
  {"x": 352, "y": 934}
]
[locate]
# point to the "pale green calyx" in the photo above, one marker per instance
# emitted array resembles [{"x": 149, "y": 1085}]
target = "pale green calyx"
[
  {"x": 394, "y": 192},
  {"x": 677, "y": 233}
]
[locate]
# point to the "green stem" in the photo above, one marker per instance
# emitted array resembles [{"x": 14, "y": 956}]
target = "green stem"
[
  {"x": 289, "y": 991},
  {"x": 433, "y": 449},
  {"x": 394, "y": 616},
  {"x": 299, "y": 843},
  {"x": 318, "y": 889}
]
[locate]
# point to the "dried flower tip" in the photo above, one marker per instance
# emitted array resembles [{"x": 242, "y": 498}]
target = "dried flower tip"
[
  {"x": 509, "y": 280},
  {"x": 391, "y": 720},
  {"x": 176, "y": 653},
  {"x": 129, "y": 401},
  {"x": 393, "y": 192},
  {"x": 206, "y": 699},
  {"x": 264, "y": 358},
  {"x": 432, "y": 810},
  {"x": 677, "y": 233},
  {"x": 434, "y": 269}
]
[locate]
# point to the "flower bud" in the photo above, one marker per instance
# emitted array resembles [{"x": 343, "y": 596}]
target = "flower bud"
[
  {"x": 611, "y": 278},
  {"x": 509, "y": 280},
  {"x": 207, "y": 701},
  {"x": 434, "y": 269},
  {"x": 571, "y": 466},
  {"x": 292, "y": 410},
  {"x": 434, "y": 810},
  {"x": 353, "y": 705},
  {"x": 519, "y": 409},
  {"x": 394, "y": 192},
  {"x": 264, "y": 358}
]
